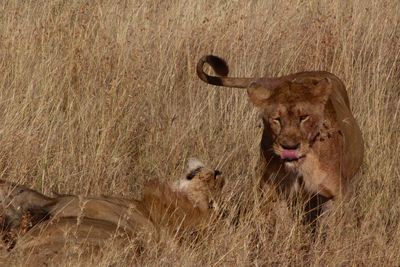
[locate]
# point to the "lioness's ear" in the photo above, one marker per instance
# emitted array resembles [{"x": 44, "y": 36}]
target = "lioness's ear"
[
  {"x": 323, "y": 89},
  {"x": 258, "y": 94}
]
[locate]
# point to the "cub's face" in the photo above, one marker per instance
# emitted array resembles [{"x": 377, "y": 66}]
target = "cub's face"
[
  {"x": 202, "y": 179},
  {"x": 208, "y": 179}
]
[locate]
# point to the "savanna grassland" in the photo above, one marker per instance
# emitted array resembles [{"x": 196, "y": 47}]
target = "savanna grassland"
[{"x": 98, "y": 96}]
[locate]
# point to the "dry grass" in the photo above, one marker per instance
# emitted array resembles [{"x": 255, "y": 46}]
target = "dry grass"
[{"x": 98, "y": 95}]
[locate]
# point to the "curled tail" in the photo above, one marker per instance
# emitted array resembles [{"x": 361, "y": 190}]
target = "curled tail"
[{"x": 221, "y": 69}]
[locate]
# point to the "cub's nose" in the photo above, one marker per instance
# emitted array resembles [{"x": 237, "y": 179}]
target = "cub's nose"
[{"x": 290, "y": 146}]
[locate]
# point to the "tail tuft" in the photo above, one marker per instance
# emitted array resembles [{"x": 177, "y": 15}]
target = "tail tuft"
[{"x": 218, "y": 64}]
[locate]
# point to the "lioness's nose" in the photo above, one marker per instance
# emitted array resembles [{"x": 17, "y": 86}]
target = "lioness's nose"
[{"x": 290, "y": 146}]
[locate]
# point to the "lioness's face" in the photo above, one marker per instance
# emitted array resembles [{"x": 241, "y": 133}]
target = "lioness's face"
[{"x": 293, "y": 115}]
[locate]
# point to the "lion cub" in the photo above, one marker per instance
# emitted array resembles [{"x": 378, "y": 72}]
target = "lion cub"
[{"x": 185, "y": 205}]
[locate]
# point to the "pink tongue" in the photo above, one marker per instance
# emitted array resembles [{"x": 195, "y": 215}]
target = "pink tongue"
[{"x": 289, "y": 154}]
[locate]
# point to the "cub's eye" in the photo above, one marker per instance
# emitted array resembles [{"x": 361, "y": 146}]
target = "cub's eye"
[
  {"x": 303, "y": 118},
  {"x": 193, "y": 173}
]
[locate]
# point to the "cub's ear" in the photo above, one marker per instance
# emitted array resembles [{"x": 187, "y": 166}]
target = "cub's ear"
[
  {"x": 323, "y": 89},
  {"x": 258, "y": 94}
]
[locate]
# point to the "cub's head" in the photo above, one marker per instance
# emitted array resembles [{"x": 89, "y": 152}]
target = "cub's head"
[
  {"x": 293, "y": 113},
  {"x": 201, "y": 183}
]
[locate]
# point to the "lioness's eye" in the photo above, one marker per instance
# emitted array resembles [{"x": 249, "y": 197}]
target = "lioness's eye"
[
  {"x": 277, "y": 120},
  {"x": 304, "y": 118}
]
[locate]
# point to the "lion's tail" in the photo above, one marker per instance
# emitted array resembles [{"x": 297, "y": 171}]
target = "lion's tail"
[{"x": 221, "y": 69}]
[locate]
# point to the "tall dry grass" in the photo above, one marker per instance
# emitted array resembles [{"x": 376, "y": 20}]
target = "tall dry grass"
[{"x": 96, "y": 96}]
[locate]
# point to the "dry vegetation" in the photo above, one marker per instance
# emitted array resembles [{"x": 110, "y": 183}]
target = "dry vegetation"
[{"x": 97, "y": 96}]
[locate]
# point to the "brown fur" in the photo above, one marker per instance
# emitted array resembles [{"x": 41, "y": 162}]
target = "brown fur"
[
  {"x": 307, "y": 114},
  {"x": 176, "y": 207},
  {"x": 17, "y": 199}
]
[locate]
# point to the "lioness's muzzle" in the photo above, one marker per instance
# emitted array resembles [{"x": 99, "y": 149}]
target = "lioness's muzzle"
[{"x": 290, "y": 154}]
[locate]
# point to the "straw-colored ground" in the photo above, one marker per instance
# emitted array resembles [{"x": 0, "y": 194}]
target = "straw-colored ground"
[{"x": 97, "y": 96}]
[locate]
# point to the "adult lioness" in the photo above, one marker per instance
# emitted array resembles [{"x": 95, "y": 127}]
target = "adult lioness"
[
  {"x": 310, "y": 140},
  {"x": 185, "y": 205}
]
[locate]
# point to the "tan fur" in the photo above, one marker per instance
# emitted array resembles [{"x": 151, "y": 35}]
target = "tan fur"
[
  {"x": 93, "y": 220},
  {"x": 305, "y": 114}
]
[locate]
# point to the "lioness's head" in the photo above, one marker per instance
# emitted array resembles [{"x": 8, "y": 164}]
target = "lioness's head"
[{"x": 293, "y": 113}]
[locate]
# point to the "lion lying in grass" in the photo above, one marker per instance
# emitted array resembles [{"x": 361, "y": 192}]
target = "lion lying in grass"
[{"x": 34, "y": 222}]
